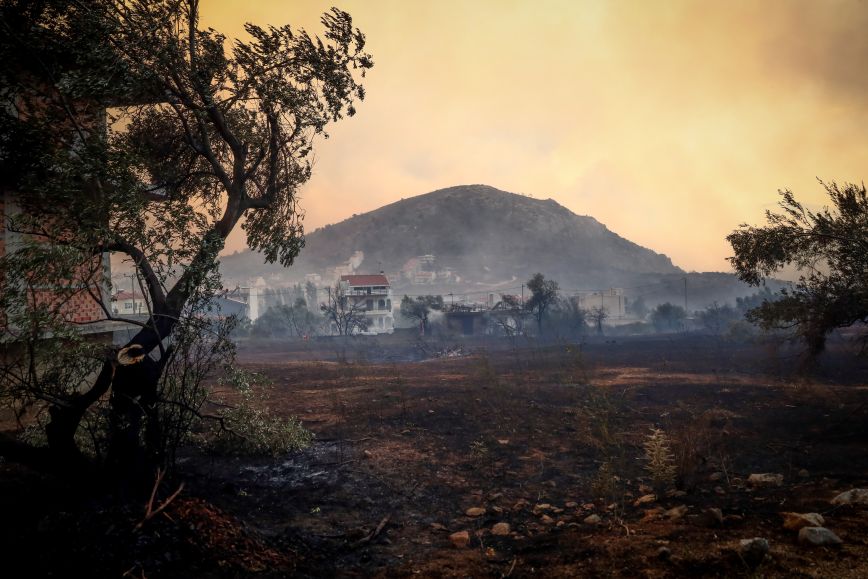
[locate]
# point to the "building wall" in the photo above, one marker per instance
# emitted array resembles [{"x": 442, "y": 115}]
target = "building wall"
[{"x": 81, "y": 307}]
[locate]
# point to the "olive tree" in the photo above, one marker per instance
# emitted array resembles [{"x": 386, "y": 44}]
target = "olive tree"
[
  {"x": 127, "y": 129},
  {"x": 544, "y": 294},
  {"x": 829, "y": 248}
]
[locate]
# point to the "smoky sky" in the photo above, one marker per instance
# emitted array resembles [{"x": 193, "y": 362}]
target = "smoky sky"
[{"x": 672, "y": 122}]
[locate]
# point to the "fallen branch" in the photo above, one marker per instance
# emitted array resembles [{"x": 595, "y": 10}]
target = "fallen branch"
[
  {"x": 373, "y": 533},
  {"x": 150, "y": 511}
]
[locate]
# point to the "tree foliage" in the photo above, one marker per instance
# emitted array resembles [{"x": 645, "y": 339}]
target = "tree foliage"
[
  {"x": 420, "y": 309},
  {"x": 128, "y": 129},
  {"x": 668, "y": 318},
  {"x": 284, "y": 321},
  {"x": 829, "y": 248},
  {"x": 544, "y": 293}
]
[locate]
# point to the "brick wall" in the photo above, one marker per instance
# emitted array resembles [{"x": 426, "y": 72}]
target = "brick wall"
[{"x": 81, "y": 307}]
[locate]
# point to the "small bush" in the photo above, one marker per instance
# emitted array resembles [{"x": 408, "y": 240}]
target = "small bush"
[
  {"x": 249, "y": 427},
  {"x": 660, "y": 460}
]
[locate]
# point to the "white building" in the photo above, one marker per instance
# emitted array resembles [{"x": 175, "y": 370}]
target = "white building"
[
  {"x": 611, "y": 301},
  {"x": 129, "y": 303},
  {"x": 373, "y": 295}
]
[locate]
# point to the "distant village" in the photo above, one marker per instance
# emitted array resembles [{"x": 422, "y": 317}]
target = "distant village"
[{"x": 377, "y": 295}]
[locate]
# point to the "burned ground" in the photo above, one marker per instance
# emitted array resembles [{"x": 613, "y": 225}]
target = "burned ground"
[{"x": 541, "y": 438}]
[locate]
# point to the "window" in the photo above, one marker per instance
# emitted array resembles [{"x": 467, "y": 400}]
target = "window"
[
  {"x": 128, "y": 305},
  {"x": 381, "y": 305},
  {"x": 370, "y": 304}
]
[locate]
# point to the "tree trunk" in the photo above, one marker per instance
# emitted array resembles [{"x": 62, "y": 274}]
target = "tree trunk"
[
  {"x": 135, "y": 441},
  {"x": 66, "y": 419}
]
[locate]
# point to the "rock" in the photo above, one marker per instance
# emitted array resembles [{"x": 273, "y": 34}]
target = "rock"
[
  {"x": 676, "y": 513},
  {"x": 712, "y": 517},
  {"x": 818, "y": 536},
  {"x": 852, "y": 497},
  {"x": 753, "y": 551},
  {"x": 664, "y": 553},
  {"x": 520, "y": 504},
  {"x": 367, "y": 454},
  {"x": 571, "y": 504},
  {"x": 644, "y": 500},
  {"x": 547, "y": 520},
  {"x": 537, "y": 509},
  {"x": 497, "y": 510},
  {"x": 715, "y": 476},
  {"x": 653, "y": 514},
  {"x": 500, "y": 529},
  {"x": 460, "y": 539},
  {"x": 676, "y": 494},
  {"x": 474, "y": 512},
  {"x": 804, "y": 473},
  {"x": 593, "y": 520},
  {"x": 766, "y": 479},
  {"x": 719, "y": 490},
  {"x": 796, "y": 521},
  {"x": 437, "y": 527}
]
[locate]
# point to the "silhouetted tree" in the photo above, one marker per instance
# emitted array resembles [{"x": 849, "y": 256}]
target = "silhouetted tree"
[
  {"x": 347, "y": 314},
  {"x": 829, "y": 248},
  {"x": 598, "y": 315},
  {"x": 215, "y": 137},
  {"x": 668, "y": 318},
  {"x": 544, "y": 293},
  {"x": 420, "y": 309}
]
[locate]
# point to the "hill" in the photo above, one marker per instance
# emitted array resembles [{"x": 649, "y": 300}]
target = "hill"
[{"x": 482, "y": 234}]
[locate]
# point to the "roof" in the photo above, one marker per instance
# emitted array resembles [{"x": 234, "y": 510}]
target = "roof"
[{"x": 365, "y": 279}]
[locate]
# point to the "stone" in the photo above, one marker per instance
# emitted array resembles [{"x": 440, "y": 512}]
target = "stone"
[
  {"x": 474, "y": 512},
  {"x": 753, "y": 551},
  {"x": 460, "y": 539},
  {"x": 547, "y": 520},
  {"x": 571, "y": 504},
  {"x": 766, "y": 479},
  {"x": 712, "y": 517},
  {"x": 501, "y": 529},
  {"x": 852, "y": 497},
  {"x": 676, "y": 513},
  {"x": 437, "y": 527},
  {"x": 796, "y": 521},
  {"x": 537, "y": 509},
  {"x": 593, "y": 520},
  {"x": 520, "y": 504},
  {"x": 715, "y": 476},
  {"x": 804, "y": 473},
  {"x": 644, "y": 500},
  {"x": 719, "y": 490},
  {"x": 653, "y": 514},
  {"x": 664, "y": 553},
  {"x": 818, "y": 536}
]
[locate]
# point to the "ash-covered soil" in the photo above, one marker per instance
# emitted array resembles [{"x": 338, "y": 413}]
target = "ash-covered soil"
[{"x": 536, "y": 452}]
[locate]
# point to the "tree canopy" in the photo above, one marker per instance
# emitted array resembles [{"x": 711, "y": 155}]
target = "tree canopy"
[
  {"x": 420, "y": 307},
  {"x": 544, "y": 293},
  {"x": 128, "y": 129},
  {"x": 830, "y": 250}
]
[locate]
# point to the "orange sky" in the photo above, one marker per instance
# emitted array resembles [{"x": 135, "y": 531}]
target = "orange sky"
[{"x": 671, "y": 122}]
